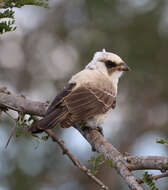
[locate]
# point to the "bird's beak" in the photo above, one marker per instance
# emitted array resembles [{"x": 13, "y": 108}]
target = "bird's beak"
[{"x": 124, "y": 67}]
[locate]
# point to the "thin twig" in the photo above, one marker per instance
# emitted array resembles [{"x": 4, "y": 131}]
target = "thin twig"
[
  {"x": 155, "y": 177},
  {"x": 75, "y": 161},
  {"x": 11, "y": 135},
  {"x": 13, "y": 129}
]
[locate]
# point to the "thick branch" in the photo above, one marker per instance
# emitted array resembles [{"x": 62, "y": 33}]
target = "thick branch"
[{"x": 19, "y": 103}]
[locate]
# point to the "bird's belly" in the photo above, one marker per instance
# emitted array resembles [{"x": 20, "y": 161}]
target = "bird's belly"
[{"x": 98, "y": 120}]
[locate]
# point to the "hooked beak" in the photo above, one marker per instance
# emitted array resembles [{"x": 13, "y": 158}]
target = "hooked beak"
[{"x": 123, "y": 67}]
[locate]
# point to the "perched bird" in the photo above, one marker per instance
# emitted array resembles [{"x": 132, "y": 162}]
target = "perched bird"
[{"x": 89, "y": 95}]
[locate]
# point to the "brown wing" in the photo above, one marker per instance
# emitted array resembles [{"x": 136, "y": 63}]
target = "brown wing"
[
  {"x": 59, "y": 98},
  {"x": 55, "y": 113},
  {"x": 86, "y": 102},
  {"x": 72, "y": 106}
]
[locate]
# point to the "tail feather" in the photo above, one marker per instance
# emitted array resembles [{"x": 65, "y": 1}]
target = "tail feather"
[{"x": 49, "y": 121}]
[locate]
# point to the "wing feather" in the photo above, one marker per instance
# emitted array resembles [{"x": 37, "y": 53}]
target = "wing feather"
[
  {"x": 88, "y": 102},
  {"x": 55, "y": 113},
  {"x": 50, "y": 120},
  {"x": 75, "y": 104},
  {"x": 59, "y": 98}
]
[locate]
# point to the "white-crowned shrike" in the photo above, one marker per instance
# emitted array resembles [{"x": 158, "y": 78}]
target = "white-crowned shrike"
[{"x": 89, "y": 95}]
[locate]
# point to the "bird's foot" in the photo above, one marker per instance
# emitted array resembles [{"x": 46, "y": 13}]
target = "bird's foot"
[
  {"x": 100, "y": 129},
  {"x": 87, "y": 128}
]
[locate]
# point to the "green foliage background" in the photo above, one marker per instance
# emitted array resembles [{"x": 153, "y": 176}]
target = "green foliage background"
[{"x": 8, "y": 5}]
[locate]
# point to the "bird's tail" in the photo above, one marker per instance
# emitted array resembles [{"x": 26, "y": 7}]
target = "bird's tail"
[{"x": 49, "y": 121}]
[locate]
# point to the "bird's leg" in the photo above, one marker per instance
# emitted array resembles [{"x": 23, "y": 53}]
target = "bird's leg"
[
  {"x": 85, "y": 126},
  {"x": 100, "y": 129}
]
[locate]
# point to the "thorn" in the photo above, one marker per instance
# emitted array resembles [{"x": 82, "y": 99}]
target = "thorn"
[{"x": 10, "y": 136}]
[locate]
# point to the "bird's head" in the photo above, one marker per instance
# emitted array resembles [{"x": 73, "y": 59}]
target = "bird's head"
[{"x": 109, "y": 64}]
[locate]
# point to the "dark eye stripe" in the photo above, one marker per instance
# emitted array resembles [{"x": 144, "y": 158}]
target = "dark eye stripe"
[{"x": 110, "y": 64}]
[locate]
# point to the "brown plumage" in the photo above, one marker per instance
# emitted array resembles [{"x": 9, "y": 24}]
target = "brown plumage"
[
  {"x": 72, "y": 106},
  {"x": 89, "y": 96}
]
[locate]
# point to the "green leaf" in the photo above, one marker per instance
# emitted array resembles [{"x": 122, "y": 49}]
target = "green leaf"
[
  {"x": 163, "y": 141},
  {"x": 8, "y": 13},
  {"x": 45, "y": 138},
  {"x": 20, "y": 3},
  {"x": 48, "y": 101},
  {"x": 110, "y": 163},
  {"x": 149, "y": 181},
  {"x": 7, "y": 26},
  {"x": 96, "y": 163}
]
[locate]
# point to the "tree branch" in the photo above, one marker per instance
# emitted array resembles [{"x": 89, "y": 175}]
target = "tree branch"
[
  {"x": 75, "y": 161},
  {"x": 147, "y": 162},
  {"x": 154, "y": 177},
  {"x": 103, "y": 147},
  {"x": 123, "y": 165},
  {"x": 21, "y": 104}
]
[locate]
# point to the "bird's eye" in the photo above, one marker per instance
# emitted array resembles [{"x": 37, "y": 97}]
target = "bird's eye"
[{"x": 110, "y": 64}]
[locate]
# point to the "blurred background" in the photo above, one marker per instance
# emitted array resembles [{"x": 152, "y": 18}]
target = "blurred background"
[{"x": 52, "y": 44}]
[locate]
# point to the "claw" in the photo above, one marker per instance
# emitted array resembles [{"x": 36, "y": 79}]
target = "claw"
[{"x": 100, "y": 129}]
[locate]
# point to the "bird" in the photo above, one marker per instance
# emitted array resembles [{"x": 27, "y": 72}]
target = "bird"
[{"x": 88, "y": 97}]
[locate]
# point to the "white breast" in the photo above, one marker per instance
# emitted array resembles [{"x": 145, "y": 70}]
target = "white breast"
[{"x": 98, "y": 120}]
